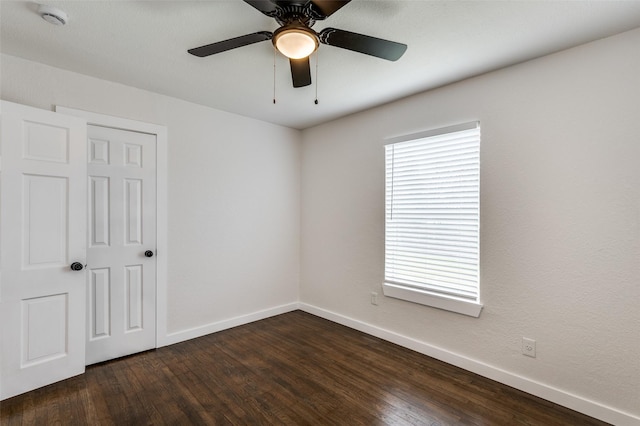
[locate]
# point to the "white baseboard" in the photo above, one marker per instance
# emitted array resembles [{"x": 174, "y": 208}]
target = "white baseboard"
[
  {"x": 192, "y": 333},
  {"x": 558, "y": 396}
]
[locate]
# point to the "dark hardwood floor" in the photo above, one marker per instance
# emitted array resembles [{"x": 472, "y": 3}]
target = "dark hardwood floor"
[{"x": 292, "y": 369}]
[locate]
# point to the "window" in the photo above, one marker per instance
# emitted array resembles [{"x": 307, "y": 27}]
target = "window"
[{"x": 432, "y": 218}]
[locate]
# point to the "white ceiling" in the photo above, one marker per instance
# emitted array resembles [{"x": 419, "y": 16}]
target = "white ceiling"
[{"x": 144, "y": 44}]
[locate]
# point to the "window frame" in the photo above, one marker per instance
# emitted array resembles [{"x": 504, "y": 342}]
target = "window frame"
[{"x": 424, "y": 296}]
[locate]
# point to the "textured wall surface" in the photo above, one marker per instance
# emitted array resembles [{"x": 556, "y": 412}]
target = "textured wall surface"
[
  {"x": 560, "y": 213},
  {"x": 233, "y": 195}
]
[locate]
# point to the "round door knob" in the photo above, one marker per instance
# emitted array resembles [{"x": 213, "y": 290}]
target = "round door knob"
[
  {"x": 148, "y": 253},
  {"x": 77, "y": 266}
]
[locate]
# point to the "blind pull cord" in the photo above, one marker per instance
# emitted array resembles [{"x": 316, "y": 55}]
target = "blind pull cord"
[{"x": 393, "y": 163}]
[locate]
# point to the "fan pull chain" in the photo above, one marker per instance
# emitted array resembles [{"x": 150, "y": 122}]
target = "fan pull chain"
[
  {"x": 274, "y": 75},
  {"x": 317, "y": 60}
]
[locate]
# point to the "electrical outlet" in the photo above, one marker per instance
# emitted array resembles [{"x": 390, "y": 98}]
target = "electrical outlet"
[
  {"x": 528, "y": 347},
  {"x": 374, "y": 298}
]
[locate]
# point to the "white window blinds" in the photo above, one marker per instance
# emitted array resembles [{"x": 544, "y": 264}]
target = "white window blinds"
[{"x": 432, "y": 212}]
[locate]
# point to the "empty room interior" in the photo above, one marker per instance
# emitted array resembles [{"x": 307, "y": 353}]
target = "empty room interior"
[{"x": 431, "y": 217}]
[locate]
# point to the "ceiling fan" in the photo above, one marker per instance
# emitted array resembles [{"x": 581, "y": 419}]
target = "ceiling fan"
[{"x": 296, "y": 40}]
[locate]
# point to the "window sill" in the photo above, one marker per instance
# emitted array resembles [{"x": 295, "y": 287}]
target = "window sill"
[{"x": 463, "y": 307}]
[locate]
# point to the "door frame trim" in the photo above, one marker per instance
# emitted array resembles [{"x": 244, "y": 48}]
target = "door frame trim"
[{"x": 161, "y": 201}]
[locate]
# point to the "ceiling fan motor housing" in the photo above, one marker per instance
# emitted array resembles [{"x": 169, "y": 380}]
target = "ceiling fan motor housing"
[{"x": 295, "y": 14}]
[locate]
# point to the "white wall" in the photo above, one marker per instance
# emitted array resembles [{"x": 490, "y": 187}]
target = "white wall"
[
  {"x": 233, "y": 195},
  {"x": 560, "y": 232}
]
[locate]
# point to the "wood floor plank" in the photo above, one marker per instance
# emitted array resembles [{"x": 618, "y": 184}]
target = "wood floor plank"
[{"x": 292, "y": 369}]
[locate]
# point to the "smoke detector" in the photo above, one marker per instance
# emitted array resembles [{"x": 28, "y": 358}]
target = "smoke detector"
[{"x": 52, "y": 15}]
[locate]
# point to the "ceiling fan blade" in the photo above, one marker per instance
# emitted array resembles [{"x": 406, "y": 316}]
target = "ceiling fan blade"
[
  {"x": 385, "y": 49},
  {"x": 324, "y": 8},
  {"x": 300, "y": 72},
  {"x": 232, "y": 43},
  {"x": 264, "y": 6}
]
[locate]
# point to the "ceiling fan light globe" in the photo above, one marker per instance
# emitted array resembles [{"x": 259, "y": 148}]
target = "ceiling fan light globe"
[{"x": 295, "y": 43}]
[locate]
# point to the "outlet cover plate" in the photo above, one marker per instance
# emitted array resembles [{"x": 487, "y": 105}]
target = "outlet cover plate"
[{"x": 528, "y": 347}]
